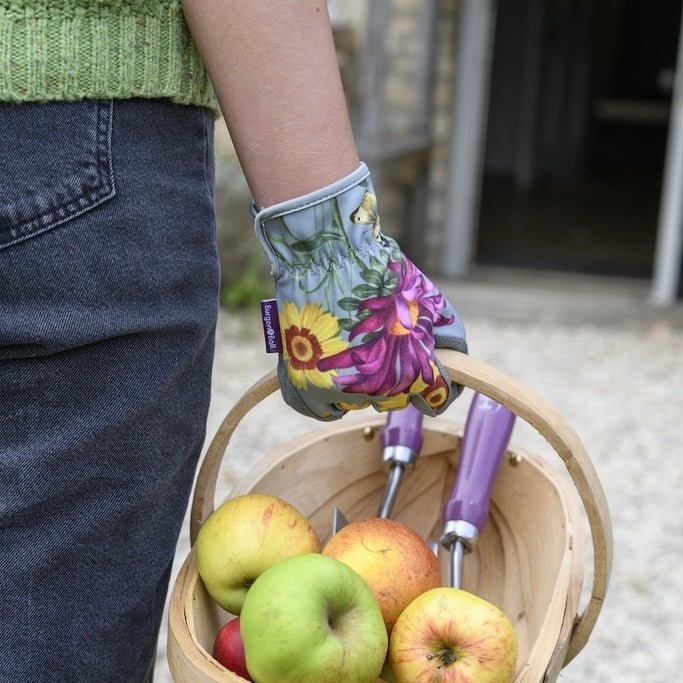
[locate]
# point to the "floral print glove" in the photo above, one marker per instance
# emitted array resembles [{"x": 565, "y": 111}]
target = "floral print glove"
[{"x": 359, "y": 322}]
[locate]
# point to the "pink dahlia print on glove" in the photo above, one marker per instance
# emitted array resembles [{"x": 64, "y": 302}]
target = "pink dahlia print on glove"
[{"x": 395, "y": 357}]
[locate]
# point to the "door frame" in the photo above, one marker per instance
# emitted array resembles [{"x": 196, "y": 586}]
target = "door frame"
[{"x": 474, "y": 54}]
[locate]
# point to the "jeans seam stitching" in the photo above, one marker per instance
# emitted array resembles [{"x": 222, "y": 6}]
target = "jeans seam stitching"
[{"x": 106, "y": 188}]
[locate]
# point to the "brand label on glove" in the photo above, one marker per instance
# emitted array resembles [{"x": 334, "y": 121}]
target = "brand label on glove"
[{"x": 271, "y": 326}]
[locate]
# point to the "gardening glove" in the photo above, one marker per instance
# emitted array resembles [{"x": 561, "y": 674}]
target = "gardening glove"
[{"x": 358, "y": 321}]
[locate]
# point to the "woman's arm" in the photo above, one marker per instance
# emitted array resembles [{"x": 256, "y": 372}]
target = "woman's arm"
[{"x": 274, "y": 68}]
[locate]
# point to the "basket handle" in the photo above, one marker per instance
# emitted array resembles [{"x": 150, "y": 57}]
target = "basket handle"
[{"x": 522, "y": 401}]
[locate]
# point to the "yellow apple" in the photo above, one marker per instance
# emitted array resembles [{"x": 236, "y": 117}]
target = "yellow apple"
[
  {"x": 448, "y": 635},
  {"x": 245, "y": 536},
  {"x": 395, "y": 561}
]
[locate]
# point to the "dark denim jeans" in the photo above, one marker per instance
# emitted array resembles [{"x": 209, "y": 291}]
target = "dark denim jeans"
[{"x": 108, "y": 303}]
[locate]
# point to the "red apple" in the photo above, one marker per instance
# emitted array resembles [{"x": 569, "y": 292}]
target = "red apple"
[
  {"x": 395, "y": 561},
  {"x": 448, "y": 635},
  {"x": 228, "y": 649}
]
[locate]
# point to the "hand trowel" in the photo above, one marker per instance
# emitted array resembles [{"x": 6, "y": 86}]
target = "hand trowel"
[{"x": 401, "y": 443}]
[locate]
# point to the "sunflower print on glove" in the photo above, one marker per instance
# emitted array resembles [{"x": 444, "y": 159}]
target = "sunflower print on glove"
[{"x": 309, "y": 335}]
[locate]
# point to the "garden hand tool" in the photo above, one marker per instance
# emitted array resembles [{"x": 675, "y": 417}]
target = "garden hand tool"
[
  {"x": 485, "y": 439},
  {"x": 401, "y": 443}
]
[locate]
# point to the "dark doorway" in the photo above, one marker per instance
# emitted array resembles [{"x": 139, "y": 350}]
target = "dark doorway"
[{"x": 576, "y": 135}]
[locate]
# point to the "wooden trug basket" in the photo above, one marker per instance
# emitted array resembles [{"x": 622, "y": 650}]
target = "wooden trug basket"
[{"x": 529, "y": 560}]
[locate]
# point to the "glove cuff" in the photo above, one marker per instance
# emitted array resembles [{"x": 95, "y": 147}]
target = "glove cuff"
[{"x": 300, "y": 204}]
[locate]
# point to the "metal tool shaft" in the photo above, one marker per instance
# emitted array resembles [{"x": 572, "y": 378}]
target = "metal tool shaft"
[
  {"x": 457, "y": 551},
  {"x": 391, "y": 490}
]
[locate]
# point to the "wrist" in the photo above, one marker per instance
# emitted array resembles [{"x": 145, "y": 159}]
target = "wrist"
[{"x": 293, "y": 174}]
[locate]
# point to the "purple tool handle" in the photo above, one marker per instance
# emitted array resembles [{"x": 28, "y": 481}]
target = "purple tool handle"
[
  {"x": 403, "y": 428},
  {"x": 485, "y": 440}
]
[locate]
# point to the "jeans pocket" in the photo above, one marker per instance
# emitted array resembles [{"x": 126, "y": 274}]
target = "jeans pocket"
[{"x": 55, "y": 164}]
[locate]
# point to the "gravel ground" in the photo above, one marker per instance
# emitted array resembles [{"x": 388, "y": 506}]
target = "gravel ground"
[{"x": 620, "y": 387}]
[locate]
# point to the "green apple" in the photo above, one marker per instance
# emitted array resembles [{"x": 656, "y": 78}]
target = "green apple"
[
  {"x": 242, "y": 538},
  {"x": 312, "y": 618},
  {"x": 450, "y": 635}
]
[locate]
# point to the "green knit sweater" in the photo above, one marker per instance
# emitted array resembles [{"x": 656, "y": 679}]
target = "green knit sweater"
[{"x": 105, "y": 49}]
